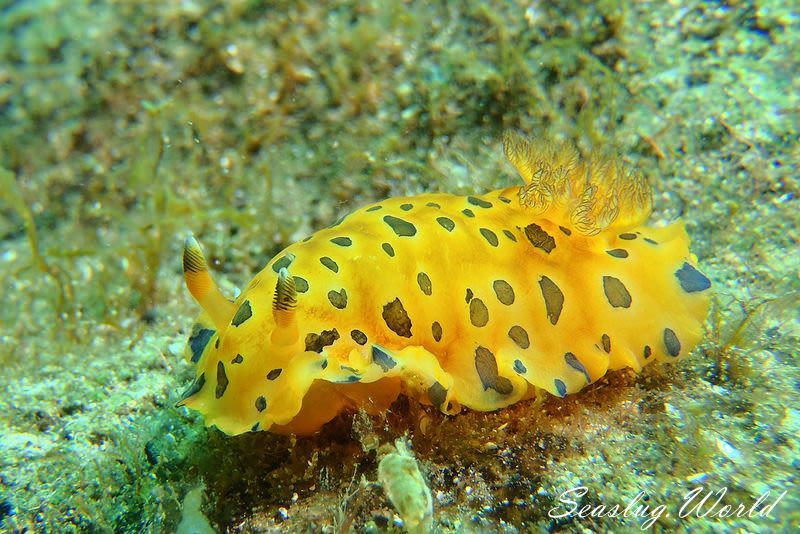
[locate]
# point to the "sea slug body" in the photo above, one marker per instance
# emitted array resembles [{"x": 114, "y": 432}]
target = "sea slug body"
[{"x": 476, "y": 301}]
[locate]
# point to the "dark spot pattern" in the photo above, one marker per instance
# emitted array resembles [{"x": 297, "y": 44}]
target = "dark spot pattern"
[
  {"x": 647, "y": 351},
  {"x": 446, "y": 223},
  {"x": 359, "y": 337},
  {"x": 489, "y": 236},
  {"x": 520, "y": 336},
  {"x": 475, "y": 201},
  {"x": 424, "y": 283},
  {"x": 342, "y": 241},
  {"x": 348, "y": 380},
  {"x": 283, "y": 263},
  {"x": 553, "y": 299},
  {"x": 468, "y": 212},
  {"x": 617, "y": 253},
  {"x": 573, "y": 362},
  {"x": 198, "y": 341},
  {"x": 261, "y": 404},
  {"x": 329, "y": 263},
  {"x": 436, "y": 331},
  {"x": 691, "y": 279},
  {"x": 478, "y": 313},
  {"x": 565, "y": 230},
  {"x": 433, "y": 205},
  {"x": 216, "y": 343},
  {"x": 406, "y": 207},
  {"x": 222, "y": 381},
  {"x": 374, "y": 208},
  {"x": 651, "y": 241},
  {"x": 486, "y": 365},
  {"x": 399, "y": 226},
  {"x": 510, "y": 235},
  {"x": 504, "y": 292},
  {"x": 468, "y": 296},
  {"x": 238, "y": 359},
  {"x": 193, "y": 389},
  {"x": 561, "y": 388},
  {"x": 242, "y": 314},
  {"x": 606, "y": 343},
  {"x": 382, "y": 358},
  {"x": 437, "y": 394},
  {"x": 396, "y": 318},
  {"x": 504, "y": 199},
  {"x": 300, "y": 284},
  {"x": 627, "y": 236},
  {"x": 254, "y": 428},
  {"x": 539, "y": 238},
  {"x": 671, "y": 342},
  {"x": 324, "y": 364},
  {"x": 519, "y": 367},
  {"x": 316, "y": 342},
  {"x": 616, "y": 292},
  {"x": 275, "y": 373},
  {"x": 338, "y": 299},
  {"x": 388, "y": 249}
]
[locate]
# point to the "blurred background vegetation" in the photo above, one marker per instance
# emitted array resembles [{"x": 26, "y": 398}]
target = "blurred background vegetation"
[{"x": 125, "y": 125}]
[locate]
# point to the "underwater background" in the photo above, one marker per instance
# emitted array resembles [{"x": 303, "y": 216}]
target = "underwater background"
[{"x": 126, "y": 125}]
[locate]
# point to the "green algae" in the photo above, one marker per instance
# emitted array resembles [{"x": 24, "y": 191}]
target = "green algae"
[
  {"x": 10, "y": 195},
  {"x": 131, "y": 124}
]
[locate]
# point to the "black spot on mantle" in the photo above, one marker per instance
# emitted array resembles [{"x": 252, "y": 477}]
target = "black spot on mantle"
[
  {"x": 242, "y": 314},
  {"x": 316, "y": 342},
  {"x": 222, "y": 381},
  {"x": 199, "y": 340},
  {"x": 382, "y": 358},
  {"x": 539, "y": 238},
  {"x": 486, "y": 365},
  {"x": 616, "y": 292},
  {"x": 399, "y": 226},
  {"x": 691, "y": 279},
  {"x": 396, "y": 318}
]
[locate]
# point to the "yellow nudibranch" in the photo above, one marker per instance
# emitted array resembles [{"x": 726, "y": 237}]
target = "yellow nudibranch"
[{"x": 477, "y": 301}]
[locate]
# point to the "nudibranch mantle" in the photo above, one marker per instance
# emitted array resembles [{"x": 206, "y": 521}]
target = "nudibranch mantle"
[{"x": 475, "y": 301}]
